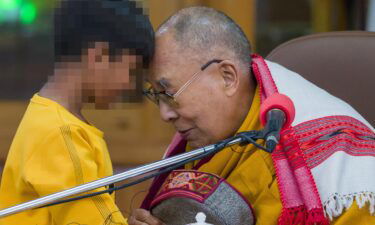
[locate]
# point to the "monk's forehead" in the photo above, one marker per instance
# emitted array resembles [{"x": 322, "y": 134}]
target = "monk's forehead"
[
  {"x": 171, "y": 61},
  {"x": 162, "y": 72},
  {"x": 169, "y": 67},
  {"x": 163, "y": 77}
]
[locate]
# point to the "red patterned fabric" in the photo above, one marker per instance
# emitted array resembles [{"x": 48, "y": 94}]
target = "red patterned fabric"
[
  {"x": 320, "y": 138},
  {"x": 190, "y": 184}
]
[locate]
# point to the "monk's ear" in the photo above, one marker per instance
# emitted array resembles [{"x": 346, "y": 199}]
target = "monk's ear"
[{"x": 230, "y": 77}]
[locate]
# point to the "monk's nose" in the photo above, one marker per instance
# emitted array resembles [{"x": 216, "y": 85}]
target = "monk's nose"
[{"x": 167, "y": 113}]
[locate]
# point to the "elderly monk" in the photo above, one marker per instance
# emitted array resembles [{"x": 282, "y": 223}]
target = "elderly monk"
[{"x": 204, "y": 85}]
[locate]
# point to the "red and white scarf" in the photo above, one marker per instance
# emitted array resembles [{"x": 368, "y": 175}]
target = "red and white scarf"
[{"x": 326, "y": 159}]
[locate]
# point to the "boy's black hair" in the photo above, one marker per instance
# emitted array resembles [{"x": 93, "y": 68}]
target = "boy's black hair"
[{"x": 120, "y": 23}]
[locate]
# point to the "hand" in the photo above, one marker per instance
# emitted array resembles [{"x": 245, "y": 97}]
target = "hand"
[{"x": 143, "y": 217}]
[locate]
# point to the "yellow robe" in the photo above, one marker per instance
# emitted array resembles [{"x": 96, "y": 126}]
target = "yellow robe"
[
  {"x": 251, "y": 172},
  {"x": 52, "y": 151}
]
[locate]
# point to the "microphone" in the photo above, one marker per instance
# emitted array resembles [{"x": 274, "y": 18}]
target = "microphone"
[{"x": 276, "y": 112}]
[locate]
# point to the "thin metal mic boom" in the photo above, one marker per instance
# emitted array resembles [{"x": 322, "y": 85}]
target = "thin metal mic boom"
[{"x": 141, "y": 170}]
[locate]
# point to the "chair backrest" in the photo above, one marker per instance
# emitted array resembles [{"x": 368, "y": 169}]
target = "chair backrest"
[{"x": 342, "y": 63}]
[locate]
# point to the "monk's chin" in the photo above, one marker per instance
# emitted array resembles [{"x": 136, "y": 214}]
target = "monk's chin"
[{"x": 194, "y": 144}]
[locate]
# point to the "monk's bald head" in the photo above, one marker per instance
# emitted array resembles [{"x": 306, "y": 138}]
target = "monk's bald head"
[{"x": 209, "y": 33}]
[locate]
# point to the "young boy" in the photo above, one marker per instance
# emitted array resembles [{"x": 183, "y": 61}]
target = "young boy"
[{"x": 99, "y": 44}]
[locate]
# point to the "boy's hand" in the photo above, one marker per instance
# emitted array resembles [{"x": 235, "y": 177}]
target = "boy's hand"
[{"x": 143, "y": 217}]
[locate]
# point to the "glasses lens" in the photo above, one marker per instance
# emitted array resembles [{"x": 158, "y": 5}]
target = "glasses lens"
[
  {"x": 151, "y": 96},
  {"x": 156, "y": 97},
  {"x": 168, "y": 100}
]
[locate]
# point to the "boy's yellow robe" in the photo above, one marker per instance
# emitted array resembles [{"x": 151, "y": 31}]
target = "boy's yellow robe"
[{"x": 52, "y": 151}]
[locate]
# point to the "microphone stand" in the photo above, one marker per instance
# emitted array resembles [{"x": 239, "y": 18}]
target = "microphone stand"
[{"x": 244, "y": 137}]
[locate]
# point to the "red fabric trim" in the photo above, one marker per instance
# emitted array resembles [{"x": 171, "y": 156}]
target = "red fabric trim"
[
  {"x": 297, "y": 162},
  {"x": 288, "y": 188},
  {"x": 263, "y": 75},
  {"x": 299, "y": 216},
  {"x": 292, "y": 216},
  {"x": 348, "y": 135}
]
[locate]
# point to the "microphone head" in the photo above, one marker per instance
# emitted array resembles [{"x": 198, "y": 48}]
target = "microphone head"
[{"x": 281, "y": 102}]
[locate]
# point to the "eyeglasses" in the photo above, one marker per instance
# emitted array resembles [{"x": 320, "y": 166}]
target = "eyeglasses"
[{"x": 170, "y": 99}]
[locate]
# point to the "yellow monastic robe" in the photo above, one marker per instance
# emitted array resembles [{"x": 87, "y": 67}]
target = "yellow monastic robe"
[
  {"x": 52, "y": 151},
  {"x": 251, "y": 172}
]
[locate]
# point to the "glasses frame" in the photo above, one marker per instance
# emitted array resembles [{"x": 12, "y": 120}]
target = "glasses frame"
[{"x": 170, "y": 99}]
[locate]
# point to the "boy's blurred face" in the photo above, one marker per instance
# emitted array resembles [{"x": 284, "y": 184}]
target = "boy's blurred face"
[{"x": 105, "y": 78}]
